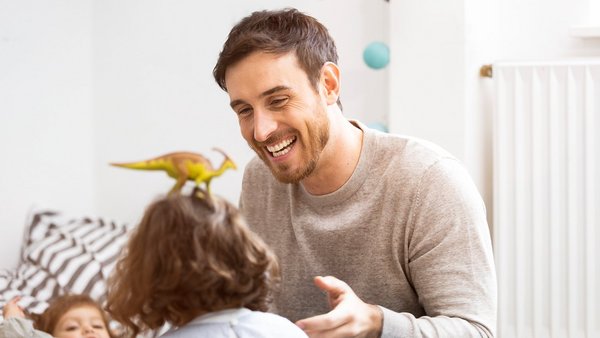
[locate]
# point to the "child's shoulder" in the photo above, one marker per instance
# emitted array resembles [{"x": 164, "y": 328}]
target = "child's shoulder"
[
  {"x": 242, "y": 322},
  {"x": 20, "y": 327},
  {"x": 270, "y": 324}
]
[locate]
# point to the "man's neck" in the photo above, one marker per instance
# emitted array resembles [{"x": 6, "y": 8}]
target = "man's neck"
[{"x": 338, "y": 160}]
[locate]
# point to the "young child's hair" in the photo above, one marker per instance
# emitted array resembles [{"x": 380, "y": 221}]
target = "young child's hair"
[
  {"x": 190, "y": 255},
  {"x": 48, "y": 320}
]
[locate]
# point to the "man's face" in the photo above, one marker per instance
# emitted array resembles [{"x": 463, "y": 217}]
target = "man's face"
[{"x": 281, "y": 115}]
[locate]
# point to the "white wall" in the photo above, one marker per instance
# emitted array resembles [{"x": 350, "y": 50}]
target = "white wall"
[
  {"x": 45, "y": 113},
  {"x": 85, "y": 83},
  {"x": 437, "y": 49}
]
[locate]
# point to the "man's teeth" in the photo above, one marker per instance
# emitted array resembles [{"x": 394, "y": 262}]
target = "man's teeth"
[
  {"x": 280, "y": 145},
  {"x": 276, "y": 150},
  {"x": 283, "y": 152}
]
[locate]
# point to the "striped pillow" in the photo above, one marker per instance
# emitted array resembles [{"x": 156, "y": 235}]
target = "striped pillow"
[{"x": 61, "y": 255}]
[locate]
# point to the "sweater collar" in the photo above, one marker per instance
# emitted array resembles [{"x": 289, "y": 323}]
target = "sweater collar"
[{"x": 355, "y": 181}]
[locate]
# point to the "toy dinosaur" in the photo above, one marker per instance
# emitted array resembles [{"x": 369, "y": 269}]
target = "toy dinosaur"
[{"x": 184, "y": 166}]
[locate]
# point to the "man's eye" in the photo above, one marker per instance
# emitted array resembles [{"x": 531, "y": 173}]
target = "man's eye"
[
  {"x": 244, "y": 111},
  {"x": 279, "y": 102}
]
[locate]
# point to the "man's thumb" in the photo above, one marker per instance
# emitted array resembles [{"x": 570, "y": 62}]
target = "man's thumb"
[{"x": 333, "y": 286}]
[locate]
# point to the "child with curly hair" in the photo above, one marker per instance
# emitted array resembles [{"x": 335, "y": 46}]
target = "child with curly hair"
[
  {"x": 193, "y": 264},
  {"x": 67, "y": 316}
]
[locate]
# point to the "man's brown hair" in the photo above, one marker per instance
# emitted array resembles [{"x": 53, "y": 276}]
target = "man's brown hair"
[
  {"x": 188, "y": 256},
  {"x": 60, "y": 305},
  {"x": 279, "y": 32}
]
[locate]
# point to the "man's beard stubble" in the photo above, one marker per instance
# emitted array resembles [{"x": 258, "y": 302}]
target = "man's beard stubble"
[{"x": 316, "y": 144}]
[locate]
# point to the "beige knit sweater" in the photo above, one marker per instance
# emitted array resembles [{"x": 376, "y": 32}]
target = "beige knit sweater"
[{"x": 407, "y": 232}]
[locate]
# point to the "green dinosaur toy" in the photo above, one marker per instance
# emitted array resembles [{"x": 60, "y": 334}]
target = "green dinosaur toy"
[{"x": 184, "y": 166}]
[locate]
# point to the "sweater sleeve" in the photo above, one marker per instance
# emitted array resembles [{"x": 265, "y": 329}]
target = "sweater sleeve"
[
  {"x": 449, "y": 256},
  {"x": 15, "y": 327}
]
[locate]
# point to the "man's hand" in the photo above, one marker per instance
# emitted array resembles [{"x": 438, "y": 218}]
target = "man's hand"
[
  {"x": 12, "y": 309},
  {"x": 349, "y": 317}
]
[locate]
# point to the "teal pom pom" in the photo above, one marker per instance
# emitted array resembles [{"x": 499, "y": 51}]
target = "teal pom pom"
[{"x": 376, "y": 55}]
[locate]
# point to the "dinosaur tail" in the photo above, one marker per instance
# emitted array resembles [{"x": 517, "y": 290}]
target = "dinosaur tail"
[{"x": 143, "y": 165}]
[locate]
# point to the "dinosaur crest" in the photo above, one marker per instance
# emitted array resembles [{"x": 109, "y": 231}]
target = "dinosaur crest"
[{"x": 184, "y": 166}]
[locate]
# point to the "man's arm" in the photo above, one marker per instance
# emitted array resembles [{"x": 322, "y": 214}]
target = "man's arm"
[
  {"x": 450, "y": 266},
  {"x": 351, "y": 317}
]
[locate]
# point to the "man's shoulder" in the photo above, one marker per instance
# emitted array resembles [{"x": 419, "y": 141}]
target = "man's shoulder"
[
  {"x": 428, "y": 165},
  {"x": 408, "y": 151},
  {"x": 259, "y": 179},
  {"x": 256, "y": 169}
]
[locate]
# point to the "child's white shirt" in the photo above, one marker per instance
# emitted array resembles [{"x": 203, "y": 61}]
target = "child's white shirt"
[{"x": 237, "y": 323}]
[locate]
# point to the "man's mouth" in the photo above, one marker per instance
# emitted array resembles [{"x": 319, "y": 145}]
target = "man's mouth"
[{"x": 282, "y": 147}]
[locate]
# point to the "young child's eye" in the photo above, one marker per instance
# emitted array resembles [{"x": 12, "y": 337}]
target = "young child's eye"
[{"x": 71, "y": 328}]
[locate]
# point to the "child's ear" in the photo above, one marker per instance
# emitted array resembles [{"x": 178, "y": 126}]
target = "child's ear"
[{"x": 330, "y": 82}]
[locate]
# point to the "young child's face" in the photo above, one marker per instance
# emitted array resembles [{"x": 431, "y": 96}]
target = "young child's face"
[{"x": 82, "y": 321}]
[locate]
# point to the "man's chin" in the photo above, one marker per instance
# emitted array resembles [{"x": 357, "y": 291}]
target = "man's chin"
[
  {"x": 282, "y": 172},
  {"x": 284, "y": 176}
]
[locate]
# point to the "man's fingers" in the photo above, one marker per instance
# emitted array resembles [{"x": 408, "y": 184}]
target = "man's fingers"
[
  {"x": 317, "y": 325},
  {"x": 350, "y": 317},
  {"x": 324, "y": 322},
  {"x": 333, "y": 286}
]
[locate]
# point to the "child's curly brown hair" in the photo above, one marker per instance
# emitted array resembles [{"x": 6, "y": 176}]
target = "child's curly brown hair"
[
  {"x": 188, "y": 256},
  {"x": 48, "y": 320}
]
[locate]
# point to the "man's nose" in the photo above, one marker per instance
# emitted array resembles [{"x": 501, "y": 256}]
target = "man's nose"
[{"x": 264, "y": 125}]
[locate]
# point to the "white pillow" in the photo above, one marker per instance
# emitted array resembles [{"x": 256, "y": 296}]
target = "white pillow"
[{"x": 63, "y": 254}]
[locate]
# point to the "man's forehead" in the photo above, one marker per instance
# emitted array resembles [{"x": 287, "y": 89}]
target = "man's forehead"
[{"x": 262, "y": 66}]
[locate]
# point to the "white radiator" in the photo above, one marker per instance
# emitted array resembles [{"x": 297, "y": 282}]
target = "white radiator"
[{"x": 547, "y": 198}]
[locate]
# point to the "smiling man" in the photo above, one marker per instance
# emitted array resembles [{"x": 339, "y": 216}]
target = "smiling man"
[
  {"x": 287, "y": 123},
  {"x": 395, "y": 224}
]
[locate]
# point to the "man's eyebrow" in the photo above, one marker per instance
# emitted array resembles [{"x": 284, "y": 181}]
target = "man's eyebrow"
[
  {"x": 274, "y": 90},
  {"x": 263, "y": 94}
]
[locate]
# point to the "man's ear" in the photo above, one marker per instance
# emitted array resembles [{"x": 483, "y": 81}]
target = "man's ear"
[{"x": 330, "y": 81}]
